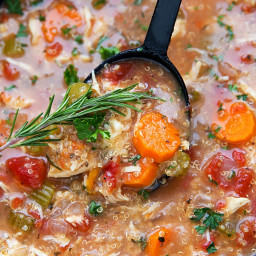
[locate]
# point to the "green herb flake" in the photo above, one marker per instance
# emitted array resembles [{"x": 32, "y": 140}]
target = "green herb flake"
[
  {"x": 220, "y": 107},
  {"x": 230, "y": 32},
  {"x": 232, "y": 175},
  {"x": 213, "y": 181},
  {"x": 70, "y": 75},
  {"x": 137, "y": 2},
  {"x": 217, "y": 129},
  {"x": 135, "y": 159},
  {"x": 171, "y": 99},
  {"x": 34, "y": 79},
  {"x": 41, "y": 18},
  {"x": 142, "y": 242},
  {"x": 22, "y": 31},
  {"x": 211, "y": 136},
  {"x": 230, "y": 7},
  {"x": 79, "y": 39},
  {"x": 36, "y": 2},
  {"x": 211, "y": 248},
  {"x": 14, "y": 6},
  {"x": 242, "y": 97},
  {"x": 225, "y": 148},
  {"x": 88, "y": 127},
  {"x": 189, "y": 46},
  {"x": 101, "y": 40},
  {"x": 201, "y": 229},
  {"x": 217, "y": 58},
  {"x": 74, "y": 51},
  {"x": 106, "y": 52},
  {"x": 196, "y": 8},
  {"x": 66, "y": 30},
  {"x": 99, "y": 2},
  {"x": 144, "y": 28},
  {"x": 245, "y": 212},
  {"x": 219, "y": 20},
  {"x": 232, "y": 87},
  {"x": 95, "y": 208},
  {"x": 144, "y": 193},
  {"x": 10, "y": 87}
]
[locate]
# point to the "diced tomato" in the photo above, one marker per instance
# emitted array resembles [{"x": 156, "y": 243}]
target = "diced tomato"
[
  {"x": 247, "y": 59},
  {"x": 117, "y": 72},
  {"x": 53, "y": 51},
  {"x": 205, "y": 243},
  {"x": 246, "y": 235},
  {"x": 30, "y": 172},
  {"x": 16, "y": 202},
  {"x": 220, "y": 204},
  {"x": 239, "y": 158},
  {"x": 238, "y": 180},
  {"x": 110, "y": 171},
  {"x": 4, "y": 131},
  {"x": 247, "y": 8},
  {"x": 38, "y": 223},
  {"x": 9, "y": 73},
  {"x": 4, "y": 17},
  {"x": 82, "y": 224}
]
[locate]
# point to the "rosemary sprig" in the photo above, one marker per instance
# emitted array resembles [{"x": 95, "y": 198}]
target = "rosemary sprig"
[{"x": 34, "y": 133}]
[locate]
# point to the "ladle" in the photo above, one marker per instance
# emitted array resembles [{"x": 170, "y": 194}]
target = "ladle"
[{"x": 156, "y": 43}]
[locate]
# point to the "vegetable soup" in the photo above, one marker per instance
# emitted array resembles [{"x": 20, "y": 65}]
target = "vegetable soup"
[{"x": 120, "y": 165}]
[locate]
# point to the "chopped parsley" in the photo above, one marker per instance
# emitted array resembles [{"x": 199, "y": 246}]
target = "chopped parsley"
[
  {"x": 144, "y": 28},
  {"x": 70, "y": 75},
  {"x": 142, "y": 242},
  {"x": 66, "y": 30},
  {"x": 98, "y": 3},
  {"x": 209, "y": 218},
  {"x": 230, "y": 7},
  {"x": 220, "y": 107},
  {"x": 211, "y": 136},
  {"x": 144, "y": 193},
  {"x": 213, "y": 181},
  {"x": 74, "y": 51},
  {"x": 189, "y": 46},
  {"x": 10, "y": 87},
  {"x": 211, "y": 248},
  {"x": 242, "y": 97},
  {"x": 227, "y": 27},
  {"x": 88, "y": 127},
  {"x": 217, "y": 129},
  {"x": 36, "y": 2},
  {"x": 95, "y": 208},
  {"x": 217, "y": 58},
  {"x": 34, "y": 79},
  {"x": 232, "y": 87},
  {"x": 41, "y": 17},
  {"x": 225, "y": 148},
  {"x": 171, "y": 99},
  {"x": 232, "y": 175},
  {"x": 137, "y": 2},
  {"x": 106, "y": 52},
  {"x": 79, "y": 39},
  {"x": 135, "y": 159},
  {"x": 14, "y": 6},
  {"x": 22, "y": 31}
]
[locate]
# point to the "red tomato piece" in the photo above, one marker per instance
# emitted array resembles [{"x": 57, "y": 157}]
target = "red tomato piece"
[
  {"x": 206, "y": 242},
  {"x": 81, "y": 224},
  {"x": 220, "y": 204},
  {"x": 110, "y": 171},
  {"x": 246, "y": 235},
  {"x": 16, "y": 202},
  {"x": 117, "y": 72},
  {"x": 239, "y": 180},
  {"x": 247, "y": 59},
  {"x": 239, "y": 158},
  {"x": 30, "y": 172},
  {"x": 53, "y": 51},
  {"x": 9, "y": 73}
]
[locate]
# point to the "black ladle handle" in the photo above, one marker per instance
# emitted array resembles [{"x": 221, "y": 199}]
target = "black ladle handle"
[{"x": 161, "y": 26}]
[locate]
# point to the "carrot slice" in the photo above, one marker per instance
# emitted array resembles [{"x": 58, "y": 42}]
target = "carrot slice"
[
  {"x": 93, "y": 174},
  {"x": 240, "y": 125},
  {"x": 157, "y": 241},
  {"x": 144, "y": 178},
  {"x": 154, "y": 137}
]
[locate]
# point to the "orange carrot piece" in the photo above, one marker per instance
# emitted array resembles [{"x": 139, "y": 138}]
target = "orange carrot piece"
[
  {"x": 93, "y": 174},
  {"x": 154, "y": 137},
  {"x": 146, "y": 176},
  {"x": 157, "y": 241},
  {"x": 239, "y": 127}
]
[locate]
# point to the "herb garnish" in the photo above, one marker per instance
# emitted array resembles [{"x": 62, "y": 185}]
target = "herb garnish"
[
  {"x": 211, "y": 136},
  {"x": 217, "y": 129},
  {"x": 14, "y": 6},
  {"x": 220, "y": 107},
  {"x": 227, "y": 27},
  {"x": 22, "y": 31},
  {"x": 217, "y": 58},
  {"x": 233, "y": 174},
  {"x": 142, "y": 242},
  {"x": 230, "y": 7},
  {"x": 34, "y": 79},
  {"x": 79, "y": 39},
  {"x": 88, "y": 127},
  {"x": 41, "y": 17},
  {"x": 135, "y": 159},
  {"x": 52, "y": 163},
  {"x": 35, "y": 132},
  {"x": 74, "y": 51},
  {"x": 70, "y": 75},
  {"x": 10, "y": 87},
  {"x": 66, "y": 30},
  {"x": 99, "y": 2},
  {"x": 210, "y": 219},
  {"x": 242, "y": 97},
  {"x": 232, "y": 87},
  {"x": 95, "y": 208},
  {"x": 211, "y": 248},
  {"x": 213, "y": 181},
  {"x": 36, "y": 2},
  {"x": 137, "y": 2},
  {"x": 144, "y": 193},
  {"x": 106, "y": 52}
]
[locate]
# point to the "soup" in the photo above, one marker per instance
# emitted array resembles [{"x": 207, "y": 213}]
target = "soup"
[{"x": 115, "y": 166}]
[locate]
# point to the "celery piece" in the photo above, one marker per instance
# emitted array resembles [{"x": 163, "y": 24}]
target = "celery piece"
[
  {"x": 20, "y": 221},
  {"x": 12, "y": 47}
]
